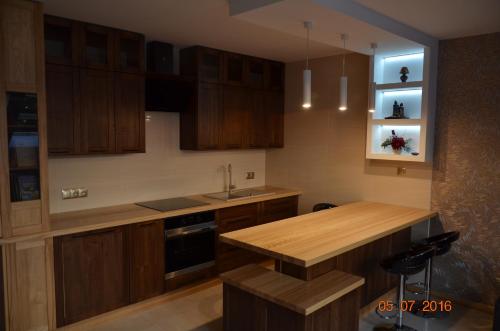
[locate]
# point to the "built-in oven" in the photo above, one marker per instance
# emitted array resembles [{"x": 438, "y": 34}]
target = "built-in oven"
[{"x": 189, "y": 243}]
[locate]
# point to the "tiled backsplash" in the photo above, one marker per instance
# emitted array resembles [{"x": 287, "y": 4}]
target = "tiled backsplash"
[{"x": 163, "y": 171}]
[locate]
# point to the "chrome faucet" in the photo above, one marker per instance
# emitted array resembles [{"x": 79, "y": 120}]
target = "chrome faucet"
[{"x": 231, "y": 186}]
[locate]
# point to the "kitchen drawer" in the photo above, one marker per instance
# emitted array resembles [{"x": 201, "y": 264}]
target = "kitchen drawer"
[
  {"x": 278, "y": 209},
  {"x": 236, "y": 218}
]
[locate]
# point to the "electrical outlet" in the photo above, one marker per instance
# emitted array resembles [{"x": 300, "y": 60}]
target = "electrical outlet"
[
  {"x": 250, "y": 175},
  {"x": 73, "y": 193}
]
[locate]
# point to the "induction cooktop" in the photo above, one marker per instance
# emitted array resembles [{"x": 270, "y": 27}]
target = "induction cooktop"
[{"x": 171, "y": 204}]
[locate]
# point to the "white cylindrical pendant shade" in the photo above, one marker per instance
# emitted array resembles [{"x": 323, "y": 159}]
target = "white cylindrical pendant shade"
[
  {"x": 371, "y": 97},
  {"x": 343, "y": 93},
  {"x": 306, "y": 96}
]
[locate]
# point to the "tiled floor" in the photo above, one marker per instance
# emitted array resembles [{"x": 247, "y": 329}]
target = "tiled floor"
[{"x": 201, "y": 310}]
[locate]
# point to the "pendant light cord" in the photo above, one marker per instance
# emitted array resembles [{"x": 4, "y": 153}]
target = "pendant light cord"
[
  {"x": 307, "y": 49},
  {"x": 343, "y": 57}
]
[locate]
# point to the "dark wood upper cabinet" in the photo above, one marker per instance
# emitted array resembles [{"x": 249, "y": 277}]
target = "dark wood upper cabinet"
[
  {"x": 275, "y": 76},
  {"x": 147, "y": 260},
  {"x": 255, "y": 72},
  {"x": 61, "y": 40},
  {"x": 129, "y": 112},
  {"x": 206, "y": 64},
  {"x": 234, "y": 69},
  {"x": 91, "y": 274},
  {"x": 129, "y": 52},
  {"x": 63, "y": 109},
  {"x": 209, "y": 116},
  {"x": 97, "y": 111},
  {"x": 258, "y": 130},
  {"x": 275, "y": 119},
  {"x": 97, "y": 47},
  {"x": 236, "y": 111},
  {"x": 95, "y": 88},
  {"x": 247, "y": 109}
]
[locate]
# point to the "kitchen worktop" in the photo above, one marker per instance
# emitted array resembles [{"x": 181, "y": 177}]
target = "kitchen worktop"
[
  {"x": 312, "y": 238},
  {"x": 105, "y": 217}
]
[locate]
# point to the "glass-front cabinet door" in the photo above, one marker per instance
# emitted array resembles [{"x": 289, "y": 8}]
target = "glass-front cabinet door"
[
  {"x": 97, "y": 44},
  {"x": 129, "y": 52},
  {"x": 23, "y": 146},
  {"x": 61, "y": 41}
]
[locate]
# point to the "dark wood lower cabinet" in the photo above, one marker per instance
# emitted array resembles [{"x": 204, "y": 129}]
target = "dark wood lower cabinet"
[
  {"x": 2, "y": 294},
  {"x": 102, "y": 270},
  {"x": 243, "y": 311},
  {"x": 147, "y": 260},
  {"x": 91, "y": 274}
]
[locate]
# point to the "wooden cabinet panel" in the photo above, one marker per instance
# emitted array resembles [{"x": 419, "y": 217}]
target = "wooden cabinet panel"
[
  {"x": 236, "y": 111},
  {"x": 63, "y": 109},
  {"x": 92, "y": 274},
  {"x": 61, "y": 40},
  {"x": 275, "y": 76},
  {"x": 231, "y": 219},
  {"x": 28, "y": 280},
  {"x": 274, "y": 109},
  {"x": 278, "y": 209},
  {"x": 97, "y": 47},
  {"x": 97, "y": 111},
  {"x": 147, "y": 260},
  {"x": 18, "y": 20},
  {"x": 209, "y": 116},
  {"x": 234, "y": 69},
  {"x": 129, "y": 52},
  {"x": 254, "y": 72},
  {"x": 129, "y": 112},
  {"x": 258, "y": 130}
]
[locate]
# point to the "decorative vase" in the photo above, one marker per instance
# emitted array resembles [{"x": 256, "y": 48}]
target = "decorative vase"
[
  {"x": 397, "y": 151},
  {"x": 404, "y": 74}
]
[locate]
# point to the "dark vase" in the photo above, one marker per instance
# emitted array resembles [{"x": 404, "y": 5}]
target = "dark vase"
[{"x": 404, "y": 78}]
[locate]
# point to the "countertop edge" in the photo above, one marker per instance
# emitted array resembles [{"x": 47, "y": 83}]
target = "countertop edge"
[{"x": 154, "y": 216}]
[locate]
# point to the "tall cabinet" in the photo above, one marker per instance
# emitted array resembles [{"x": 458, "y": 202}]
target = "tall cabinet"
[{"x": 27, "y": 265}]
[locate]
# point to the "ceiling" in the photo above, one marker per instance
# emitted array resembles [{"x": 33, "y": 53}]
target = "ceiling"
[
  {"x": 190, "y": 22},
  {"x": 442, "y": 19},
  {"x": 276, "y": 31}
]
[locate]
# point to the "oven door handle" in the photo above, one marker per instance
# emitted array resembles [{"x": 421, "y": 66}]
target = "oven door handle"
[{"x": 175, "y": 234}]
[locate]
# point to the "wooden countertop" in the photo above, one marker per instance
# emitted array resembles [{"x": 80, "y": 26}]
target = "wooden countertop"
[
  {"x": 312, "y": 238},
  {"x": 303, "y": 297},
  {"x": 105, "y": 217}
]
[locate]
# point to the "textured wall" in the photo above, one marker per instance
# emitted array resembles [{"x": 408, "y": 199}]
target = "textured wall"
[
  {"x": 163, "y": 171},
  {"x": 324, "y": 154},
  {"x": 466, "y": 178}
]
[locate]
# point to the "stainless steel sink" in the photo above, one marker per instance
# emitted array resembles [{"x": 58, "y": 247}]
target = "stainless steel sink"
[{"x": 239, "y": 194}]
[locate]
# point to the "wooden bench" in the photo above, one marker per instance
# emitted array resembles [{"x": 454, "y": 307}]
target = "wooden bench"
[{"x": 256, "y": 298}]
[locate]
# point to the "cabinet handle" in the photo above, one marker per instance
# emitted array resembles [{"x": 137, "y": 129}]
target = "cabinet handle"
[{"x": 92, "y": 233}]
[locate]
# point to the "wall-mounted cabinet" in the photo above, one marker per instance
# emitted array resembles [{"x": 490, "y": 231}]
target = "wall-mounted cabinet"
[
  {"x": 399, "y": 128},
  {"x": 95, "y": 89},
  {"x": 239, "y": 101}
]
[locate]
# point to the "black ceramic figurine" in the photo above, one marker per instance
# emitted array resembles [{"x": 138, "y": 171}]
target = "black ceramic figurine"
[
  {"x": 404, "y": 72},
  {"x": 398, "y": 111}
]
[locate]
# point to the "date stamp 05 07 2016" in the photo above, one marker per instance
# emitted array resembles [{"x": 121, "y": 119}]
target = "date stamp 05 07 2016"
[{"x": 410, "y": 305}]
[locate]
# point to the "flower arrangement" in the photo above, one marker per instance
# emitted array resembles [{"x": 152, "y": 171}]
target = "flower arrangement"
[{"x": 397, "y": 143}]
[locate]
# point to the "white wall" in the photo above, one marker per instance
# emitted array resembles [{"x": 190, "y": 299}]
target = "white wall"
[
  {"x": 324, "y": 154},
  {"x": 163, "y": 171}
]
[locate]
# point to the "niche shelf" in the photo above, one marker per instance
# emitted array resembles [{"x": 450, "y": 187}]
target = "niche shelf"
[{"x": 413, "y": 94}]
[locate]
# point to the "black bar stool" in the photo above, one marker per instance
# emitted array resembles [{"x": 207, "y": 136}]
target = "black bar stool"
[
  {"x": 323, "y": 205},
  {"x": 442, "y": 244},
  {"x": 404, "y": 264}
]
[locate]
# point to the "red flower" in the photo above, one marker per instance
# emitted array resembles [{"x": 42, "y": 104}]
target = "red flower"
[{"x": 397, "y": 143}]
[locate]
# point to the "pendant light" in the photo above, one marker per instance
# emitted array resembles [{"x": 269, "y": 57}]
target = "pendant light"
[
  {"x": 373, "y": 86},
  {"x": 306, "y": 95},
  {"x": 343, "y": 80}
]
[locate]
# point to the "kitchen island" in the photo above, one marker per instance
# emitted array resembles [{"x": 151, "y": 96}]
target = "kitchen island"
[{"x": 349, "y": 240}]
